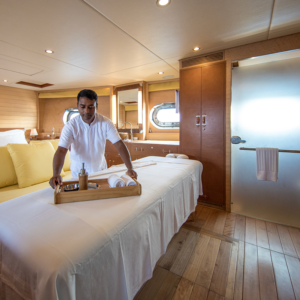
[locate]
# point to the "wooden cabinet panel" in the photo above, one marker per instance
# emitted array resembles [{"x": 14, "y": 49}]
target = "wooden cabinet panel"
[
  {"x": 163, "y": 150},
  {"x": 113, "y": 159},
  {"x": 213, "y": 137},
  {"x": 191, "y": 153},
  {"x": 202, "y": 92},
  {"x": 152, "y": 149},
  {"x": 135, "y": 157},
  {"x": 190, "y": 87},
  {"x": 190, "y": 107},
  {"x": 190, "y": 133}
]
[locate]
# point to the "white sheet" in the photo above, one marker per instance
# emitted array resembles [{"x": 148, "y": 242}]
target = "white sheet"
[{"x": 102, "y": 249}]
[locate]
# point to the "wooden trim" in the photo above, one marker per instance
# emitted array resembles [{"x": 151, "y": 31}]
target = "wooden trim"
[
  {"x": 163, "y": 81},
  {"x": 76, "y": 89},
  {"x": 127, "y": 87},
  {"x": 134, "y": 130},
  {"x": 34, "y": 84},
  {"x": 8, "y": 129},
  {"x": 235, "y": 64},
  {"x": 203, "y": 65}
]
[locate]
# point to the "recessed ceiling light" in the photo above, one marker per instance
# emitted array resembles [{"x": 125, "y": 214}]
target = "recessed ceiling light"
[
  {"x": 196, "y": 48},
  {"x": 5, "y": 80},
  {"x": 160, "y": 73},
  {"x": 49, "y": 51},
  {"x": 162, "y": 2}
]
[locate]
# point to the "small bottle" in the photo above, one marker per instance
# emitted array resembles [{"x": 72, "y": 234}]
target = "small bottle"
[{"x": 83, "y": 179}]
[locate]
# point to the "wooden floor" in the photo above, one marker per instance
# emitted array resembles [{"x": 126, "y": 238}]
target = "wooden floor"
[{"x": 227, "y": 256}]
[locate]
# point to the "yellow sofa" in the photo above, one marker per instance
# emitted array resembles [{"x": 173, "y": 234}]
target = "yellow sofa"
[{"x": 13, "y": 160}]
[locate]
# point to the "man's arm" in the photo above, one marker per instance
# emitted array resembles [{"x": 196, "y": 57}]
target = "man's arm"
[
  {"x": 124, "y": 153},
  {"x": 58, "y": 162}
]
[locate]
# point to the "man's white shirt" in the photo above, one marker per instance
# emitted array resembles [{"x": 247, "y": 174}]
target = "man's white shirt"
[{"x": 88, "y": 142}]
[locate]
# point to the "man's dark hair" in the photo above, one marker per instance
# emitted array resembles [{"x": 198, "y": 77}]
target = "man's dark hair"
[{"x": 88, "y": 94}]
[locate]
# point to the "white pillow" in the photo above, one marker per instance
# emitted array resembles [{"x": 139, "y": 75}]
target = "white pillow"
[{"x": 16, "y": 136}]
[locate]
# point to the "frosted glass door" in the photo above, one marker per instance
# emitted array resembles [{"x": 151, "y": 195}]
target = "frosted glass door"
[{"x": 265, "y": 112}]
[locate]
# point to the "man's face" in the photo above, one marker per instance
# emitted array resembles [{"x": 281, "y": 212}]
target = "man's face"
[{"x": 87, "y": 109}]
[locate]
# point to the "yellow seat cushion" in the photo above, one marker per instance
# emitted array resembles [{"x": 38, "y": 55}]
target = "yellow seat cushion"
[
  {"x": 13, "y": 191},
  {"x": 67, "y": 163},
  {"x": 7, "y": 175},
  {"x": 33, "y": 162}
]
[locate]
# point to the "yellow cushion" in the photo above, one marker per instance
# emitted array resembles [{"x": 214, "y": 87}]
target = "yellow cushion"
[
  {"x": 13, "y": 191},
  {"x": 33, "y": 162},
  {"x": 7, "y": 175},
  {"x": 67, "y": 163}
]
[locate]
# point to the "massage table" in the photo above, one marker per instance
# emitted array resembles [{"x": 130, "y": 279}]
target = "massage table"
[{"x": 102, "y": 249}]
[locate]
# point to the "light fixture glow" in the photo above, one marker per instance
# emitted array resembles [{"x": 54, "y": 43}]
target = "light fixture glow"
[
  {"x": 196, "y": 48},
  {"x": 140, "y": 107},
  {"x": 5, "y": 80},
  {"x": 272, "y": 117},
  {"x": 163, "y": 2},
  {"x": 160, "y": 73},
  {"x": 49, "y": 51},
  {"x": 114, "y": 109}
]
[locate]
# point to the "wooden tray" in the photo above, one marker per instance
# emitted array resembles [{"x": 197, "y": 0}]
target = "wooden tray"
[{"x": 103, "y": 192}]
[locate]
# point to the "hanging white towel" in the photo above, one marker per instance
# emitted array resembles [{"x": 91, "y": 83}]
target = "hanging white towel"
[
  {"x": 267, "y": 164},
  {"x": 128, "y": 180},
  {"x": 115, "y": 181}
]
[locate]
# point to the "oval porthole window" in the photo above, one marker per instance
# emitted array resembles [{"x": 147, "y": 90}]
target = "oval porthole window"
[
  {"x": 69, "y": 114},
  {"x": 164, "y": 116}
]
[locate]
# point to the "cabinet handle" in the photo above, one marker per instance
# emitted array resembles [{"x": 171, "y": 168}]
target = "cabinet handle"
[
  {"x": 136, "y": 149},
  {"x": 198, "y": 120},
  {"x": 168, "y": 151},
  {"x": 142, "y": 149}
]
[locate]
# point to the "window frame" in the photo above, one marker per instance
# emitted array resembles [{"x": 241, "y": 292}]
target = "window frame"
[
  {"x": 68, "y": 113},
  {"x": 163, "y": 125}
]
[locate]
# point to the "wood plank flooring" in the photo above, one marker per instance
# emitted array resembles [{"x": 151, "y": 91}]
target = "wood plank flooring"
[{"x": 225, "y": 256}]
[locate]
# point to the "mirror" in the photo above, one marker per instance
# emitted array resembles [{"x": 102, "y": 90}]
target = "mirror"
[{"x": 127, "y": 103}]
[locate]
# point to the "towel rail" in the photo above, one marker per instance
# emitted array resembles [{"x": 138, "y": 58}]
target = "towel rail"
[{"x": 279, "y": 150}]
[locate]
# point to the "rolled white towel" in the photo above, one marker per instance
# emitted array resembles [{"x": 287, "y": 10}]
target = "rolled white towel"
[
  {"x": 182, "y": 156},
  {"x": 171, "y": 155},
  {"x": 128, "y": 180},
  {"x": 115, "y": 181}
]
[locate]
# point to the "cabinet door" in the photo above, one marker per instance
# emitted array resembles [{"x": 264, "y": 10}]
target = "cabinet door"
[
  {"x": 190, "y": 108},
  {"x": 213, "y": 136}
]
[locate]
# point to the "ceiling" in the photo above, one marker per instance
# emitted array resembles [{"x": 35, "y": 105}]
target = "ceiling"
[{"x": 100, "y": 43}]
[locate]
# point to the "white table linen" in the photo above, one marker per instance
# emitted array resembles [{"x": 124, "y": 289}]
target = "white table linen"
[{"x": 103, "y": 249}]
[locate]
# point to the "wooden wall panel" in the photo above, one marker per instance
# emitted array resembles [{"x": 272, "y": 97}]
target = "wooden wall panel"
[
  {"x": 51, "y": 112},
  {"x": 18, "y": 108},
  {"x": 132, "y": 117},
  {"x": 161, "y": 97}
]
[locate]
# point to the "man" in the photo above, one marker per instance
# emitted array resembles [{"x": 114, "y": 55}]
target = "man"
[{"x": 87, "y": 134}]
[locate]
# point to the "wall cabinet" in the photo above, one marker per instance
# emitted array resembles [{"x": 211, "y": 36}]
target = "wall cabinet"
[
  {"x": 202, "y": 93},
  {"x": 137, "y": 151}
]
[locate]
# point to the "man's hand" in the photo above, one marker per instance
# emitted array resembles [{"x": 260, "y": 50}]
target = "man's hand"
[
  {"x": 132, "y": 173},
  {"x": 55, "y": 180},
  {"x": 124, "y": 153}
]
